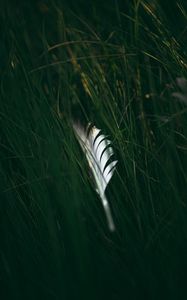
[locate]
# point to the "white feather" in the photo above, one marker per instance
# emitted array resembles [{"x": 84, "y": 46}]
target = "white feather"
[{"x": 98, "y": 151}]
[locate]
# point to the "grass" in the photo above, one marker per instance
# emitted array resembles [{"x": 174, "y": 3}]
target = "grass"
[{"x": 114, "y": 64}]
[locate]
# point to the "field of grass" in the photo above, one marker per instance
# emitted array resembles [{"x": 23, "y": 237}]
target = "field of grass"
[{"x": 113, "y": 63}]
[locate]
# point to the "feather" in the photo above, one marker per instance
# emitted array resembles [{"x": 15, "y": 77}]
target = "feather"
[
  {"x": 99, "y": 152},
  {"x": 182, "y": 95}
]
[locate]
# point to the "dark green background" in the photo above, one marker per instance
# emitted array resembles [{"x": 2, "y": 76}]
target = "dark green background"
[{"x": 113, "y": 63}]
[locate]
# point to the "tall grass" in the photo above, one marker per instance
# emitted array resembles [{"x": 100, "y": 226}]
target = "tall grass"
[{"x": 114, "y": 64}]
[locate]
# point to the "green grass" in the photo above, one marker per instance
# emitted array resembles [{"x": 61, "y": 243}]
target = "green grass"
[{"x": 114, "y": 64}]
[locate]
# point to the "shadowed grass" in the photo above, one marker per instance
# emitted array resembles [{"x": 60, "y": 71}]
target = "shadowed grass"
[{"x": 115, "y": 65}]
